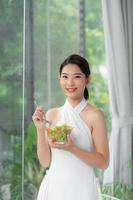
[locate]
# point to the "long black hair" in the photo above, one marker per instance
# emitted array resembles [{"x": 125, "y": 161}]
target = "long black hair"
[{"x": 81, "y": 63}]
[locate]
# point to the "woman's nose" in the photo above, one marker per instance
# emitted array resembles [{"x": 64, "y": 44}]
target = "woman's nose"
[{"x": 70, "y": 81}]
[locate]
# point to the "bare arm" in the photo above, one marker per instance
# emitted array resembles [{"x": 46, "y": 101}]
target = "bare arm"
[
  {"x": 43, "y": 149},
  {"x": 94, "y": 159},
  {"x": 100, "y": 157}
]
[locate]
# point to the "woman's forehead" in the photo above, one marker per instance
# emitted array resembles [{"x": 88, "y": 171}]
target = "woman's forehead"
[{"x": 71, "y": 68}]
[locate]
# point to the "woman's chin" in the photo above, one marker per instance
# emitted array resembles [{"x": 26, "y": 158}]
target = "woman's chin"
[{"x": 73, "y": 96}]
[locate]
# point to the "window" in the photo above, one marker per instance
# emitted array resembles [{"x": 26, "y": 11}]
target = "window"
[{"x": 51, "y": 34}]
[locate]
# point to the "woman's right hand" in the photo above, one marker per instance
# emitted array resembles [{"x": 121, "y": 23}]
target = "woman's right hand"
[{"x": 39, "y": 118}]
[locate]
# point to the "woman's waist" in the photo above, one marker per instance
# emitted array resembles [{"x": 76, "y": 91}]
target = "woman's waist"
[
  {"x": 66, "y": 172},
  {"x": 69, "y": 163}
]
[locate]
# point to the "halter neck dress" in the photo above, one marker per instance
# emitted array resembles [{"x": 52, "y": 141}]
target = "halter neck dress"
[{"x": 69, "y": 178}]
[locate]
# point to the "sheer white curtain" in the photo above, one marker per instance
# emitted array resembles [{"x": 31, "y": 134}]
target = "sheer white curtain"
[{"x": 118, "y": 27}]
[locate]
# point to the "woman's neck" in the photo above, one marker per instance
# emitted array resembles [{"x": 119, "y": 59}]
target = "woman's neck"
[{"x": 74, "y": 102}]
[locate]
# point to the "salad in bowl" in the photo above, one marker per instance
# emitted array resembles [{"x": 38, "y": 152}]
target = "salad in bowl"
[{"x": 59, "y": 133}]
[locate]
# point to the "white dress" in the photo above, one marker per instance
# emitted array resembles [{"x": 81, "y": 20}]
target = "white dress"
[{"x": 69, "y": 178}]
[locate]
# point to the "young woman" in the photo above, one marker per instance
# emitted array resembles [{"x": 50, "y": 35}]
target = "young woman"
[{"x": 70, "y": 175}]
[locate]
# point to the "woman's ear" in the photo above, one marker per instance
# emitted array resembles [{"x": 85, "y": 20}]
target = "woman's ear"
[{"x": 88, "y": 80}]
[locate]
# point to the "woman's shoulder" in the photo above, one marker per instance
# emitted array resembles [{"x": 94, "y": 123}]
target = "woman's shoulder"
[
  {"x": 94, "y": 112},
  {"x": 53, "y": 110},
  {"x": 53, "y": 114}
]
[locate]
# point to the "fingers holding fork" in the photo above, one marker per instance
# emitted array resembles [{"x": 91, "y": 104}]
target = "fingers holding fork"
[{"x": 41, "y": 114}]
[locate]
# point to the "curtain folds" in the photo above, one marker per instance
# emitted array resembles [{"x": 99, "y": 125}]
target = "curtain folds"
[{"x": 118, "y": 28}]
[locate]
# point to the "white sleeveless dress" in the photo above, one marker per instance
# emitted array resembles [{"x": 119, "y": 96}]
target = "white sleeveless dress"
[{"x": 69, "y": 178}]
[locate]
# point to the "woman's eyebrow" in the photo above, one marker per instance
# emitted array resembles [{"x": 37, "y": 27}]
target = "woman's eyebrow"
[
  {"x": 77, "y": 73},
  {"x": 64, "y": 73}
]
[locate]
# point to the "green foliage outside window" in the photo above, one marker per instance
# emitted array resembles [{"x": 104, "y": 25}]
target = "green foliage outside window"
[{"x": 64, "y": 38}]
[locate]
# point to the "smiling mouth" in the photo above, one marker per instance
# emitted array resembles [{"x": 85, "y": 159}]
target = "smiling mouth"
[{"x": 71, "y": 89}]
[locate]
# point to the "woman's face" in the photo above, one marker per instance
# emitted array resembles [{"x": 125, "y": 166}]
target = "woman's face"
[{"x": 73, "y": 81}]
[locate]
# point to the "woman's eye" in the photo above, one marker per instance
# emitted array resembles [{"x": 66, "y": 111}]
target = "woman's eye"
[
  {"x": 65, "y": 77},
  {"x": 78, "y": 76}
]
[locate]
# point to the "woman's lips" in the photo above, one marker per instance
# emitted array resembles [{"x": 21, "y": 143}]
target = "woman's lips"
[{"x": 71, "y": 89}]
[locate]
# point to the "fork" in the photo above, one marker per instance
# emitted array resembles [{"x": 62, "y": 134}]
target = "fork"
[{"x": 47, "y": 121}]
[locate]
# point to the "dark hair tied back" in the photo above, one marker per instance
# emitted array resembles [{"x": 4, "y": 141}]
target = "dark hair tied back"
[{"x": 86, "y": 93}]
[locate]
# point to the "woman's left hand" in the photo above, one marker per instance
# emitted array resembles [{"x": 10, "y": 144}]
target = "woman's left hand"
[{"x": 68, "y": 145}]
